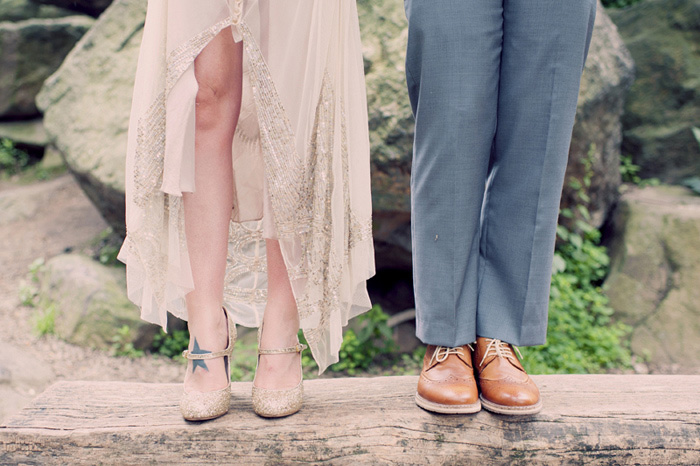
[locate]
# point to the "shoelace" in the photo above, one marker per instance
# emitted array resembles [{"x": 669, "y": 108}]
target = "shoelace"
[
  {"x": 499, "y": 349},
  {"x": 442, "y": 352}
]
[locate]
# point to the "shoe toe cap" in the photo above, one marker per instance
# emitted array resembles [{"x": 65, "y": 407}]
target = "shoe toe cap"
[
  {"x": 511, "y": 394},
  {"x": 449, "y": 392}
]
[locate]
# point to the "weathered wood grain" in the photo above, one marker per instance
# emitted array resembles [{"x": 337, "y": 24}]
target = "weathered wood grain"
[{"x": 587, "y": 419}]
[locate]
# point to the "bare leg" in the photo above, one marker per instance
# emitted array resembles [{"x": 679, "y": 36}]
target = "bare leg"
[
  {"x": 281, "y": 323},
  {"x": 208, "y": 210}
]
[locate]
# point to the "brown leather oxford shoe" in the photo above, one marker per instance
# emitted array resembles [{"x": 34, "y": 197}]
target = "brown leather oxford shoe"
[
  {"x": 446, "y": 383},
  {"x": 505, "y": 386}
]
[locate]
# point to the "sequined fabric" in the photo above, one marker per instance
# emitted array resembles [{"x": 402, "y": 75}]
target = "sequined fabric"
[{"x": 313, "y": 154}]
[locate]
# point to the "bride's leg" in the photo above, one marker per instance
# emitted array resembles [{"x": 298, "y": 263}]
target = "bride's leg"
[
  {"x": 281, "y": 323},
  {"x": 208, "y": 209}
]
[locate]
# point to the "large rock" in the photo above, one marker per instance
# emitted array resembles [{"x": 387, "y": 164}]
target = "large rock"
[
  {"x": 90, "y": 7},
  {"x": 87, "y": 103},
  {"x": 664, "y": 103},
  {"x": 90, "y": 302},
  {"x": 18, "y": 10},
  {"x": 28, "y": 135},
  {"x": 29, "y": 52},
  {"x": 595, "y": 143},
  {"x": 87, "y": 107},
  {"x": 655, "y": 272}
]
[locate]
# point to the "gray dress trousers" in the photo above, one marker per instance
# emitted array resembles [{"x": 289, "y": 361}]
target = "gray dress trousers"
[{"x": 493, "y": 85}]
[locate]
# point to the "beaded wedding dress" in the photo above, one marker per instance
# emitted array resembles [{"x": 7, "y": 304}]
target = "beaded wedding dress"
[{"x": 300, "y": 157}]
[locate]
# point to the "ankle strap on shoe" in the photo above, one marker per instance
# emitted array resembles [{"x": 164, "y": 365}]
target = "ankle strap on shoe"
[
  {"x": 199, "y": 356},
  {"x": 298, "y": 348}
]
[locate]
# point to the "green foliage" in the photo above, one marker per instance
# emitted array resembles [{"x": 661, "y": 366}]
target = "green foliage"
[
  {"x": 12, "y": 160},
  {"x": 108, "y": 255},
  {"x": 369, "y": 341},
  {"x": 619, "y": 3},
  {"x": 28, "y": 294},
  {"x": 28, "y": 291},
  {"x": 35, "y": 268},
  {"x": 122, "y": 345},
  {"x": 44, "y": 320},
  {"x": 244, "y": 361},
  {"x": 106, "y": 247},
  {"x": 629, "y": 171},
  {"x": 170, "y": 344},
  {"x": 581, "y": 337}
]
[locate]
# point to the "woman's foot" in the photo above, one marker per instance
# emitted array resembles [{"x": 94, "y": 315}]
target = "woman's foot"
[
  {"x": 207, "y": 393},
  {"x": 206, "y": 337},
  {"x": 278, "y": 389},
  {"x": 278, "y": 371}
]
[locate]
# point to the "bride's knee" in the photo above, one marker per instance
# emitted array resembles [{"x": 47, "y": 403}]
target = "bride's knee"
[
  {"x": 217, "y": 70},
  {"x": 216, "y": 105}
]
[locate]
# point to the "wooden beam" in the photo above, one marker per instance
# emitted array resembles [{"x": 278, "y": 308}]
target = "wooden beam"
[{"x": 591, "y": 419}]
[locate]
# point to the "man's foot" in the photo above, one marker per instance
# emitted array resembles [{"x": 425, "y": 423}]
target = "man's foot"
[
  {"x": 446, "y": 384},
  {"x": 504, "y": 385}
]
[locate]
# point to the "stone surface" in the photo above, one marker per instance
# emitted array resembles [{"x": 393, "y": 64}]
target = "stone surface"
[
  {"x": 90, "y": 302},
  {"x": 664, "y": 103},
  {"x": 29, "y": 52},
  {"x": 18, "y": 10},
  {"x": 87, "y": 108},
  {"x": 29, "y": 133},
  {"x": 90, "y": 7},
  {"x": 655, "y": 272},
  {"x": 22, "y": 377},
  {"x": 597, "y": 133},
  {"x": 87, "y": 104},
  {"x": 52, "y": 160}
]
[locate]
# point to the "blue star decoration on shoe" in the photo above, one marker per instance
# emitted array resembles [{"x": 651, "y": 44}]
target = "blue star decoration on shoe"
[{"x": 199, "y": 362}]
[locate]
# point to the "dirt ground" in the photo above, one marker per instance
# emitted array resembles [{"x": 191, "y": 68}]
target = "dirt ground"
[{"x": 43, "y": 219}]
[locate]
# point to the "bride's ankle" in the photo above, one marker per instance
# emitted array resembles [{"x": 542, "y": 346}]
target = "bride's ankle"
[
  {"x": 278, "y": 335},
  {"x": 211, "y": 331}
]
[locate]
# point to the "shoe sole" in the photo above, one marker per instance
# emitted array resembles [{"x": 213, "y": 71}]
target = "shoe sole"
[
  {"x": 447, "y": 409},
  {"x": 510, "y": 410}
]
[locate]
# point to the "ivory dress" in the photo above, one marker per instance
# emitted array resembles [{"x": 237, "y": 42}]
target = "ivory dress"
[{"x": 300, "y": 157}]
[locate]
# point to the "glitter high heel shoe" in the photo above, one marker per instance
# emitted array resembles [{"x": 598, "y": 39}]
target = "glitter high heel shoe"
[
  {"x": 202, "y": 406},
  {"x": 269, "y": 402}
]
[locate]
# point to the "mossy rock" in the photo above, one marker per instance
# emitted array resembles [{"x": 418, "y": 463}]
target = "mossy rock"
[
  {"x": 655, "y": 272},
  {"x": 18, "y": 10},
  {"x": 30, "y": 51},
  {"x": 663, "y": 104},
  {"x": 90, "y": 303}
]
